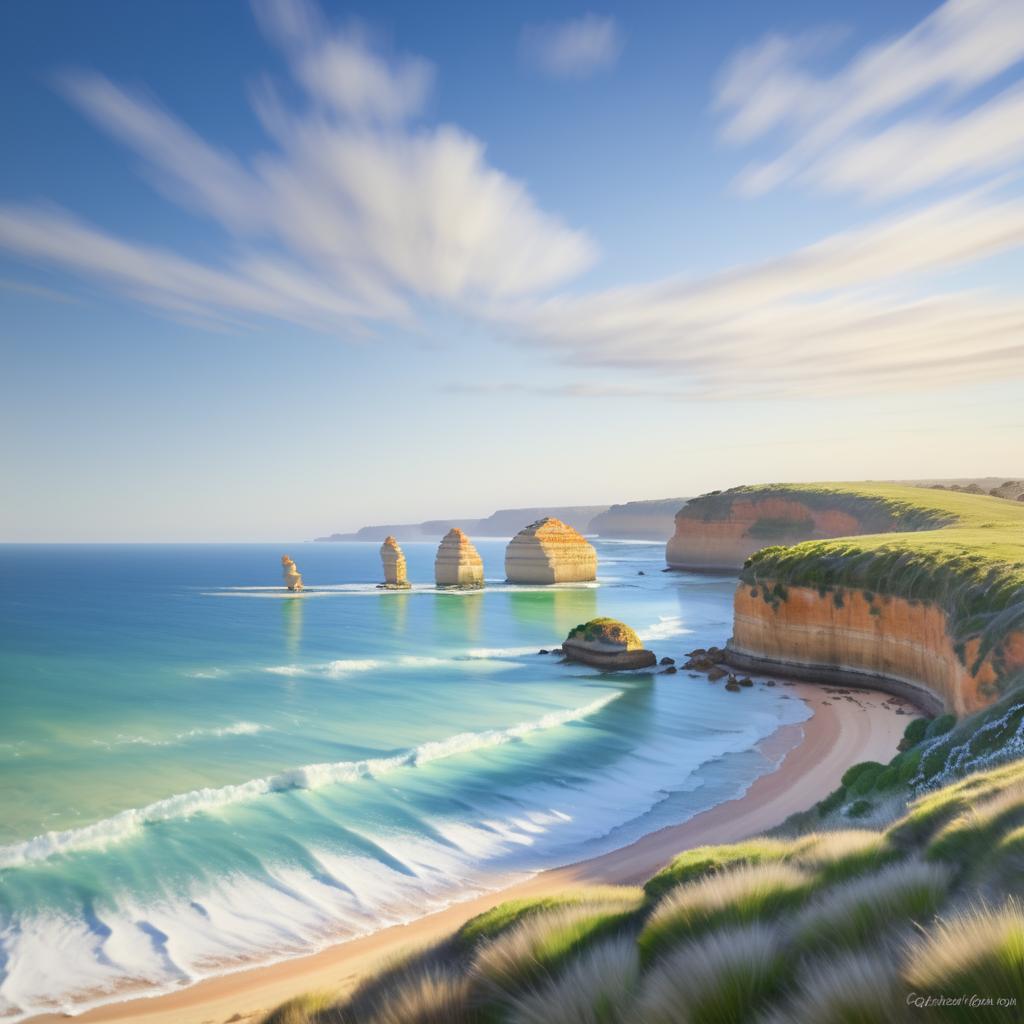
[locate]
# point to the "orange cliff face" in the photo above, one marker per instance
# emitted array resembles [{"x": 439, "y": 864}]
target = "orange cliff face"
[
  {"x": 724, "y": 544},
  {"x": 877, "y": 642}
]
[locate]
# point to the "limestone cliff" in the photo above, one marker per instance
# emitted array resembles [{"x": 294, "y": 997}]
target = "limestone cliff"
[
  {"x": 858, "y": 637},
  {"x": 393, "y": 561},
  {"x": 549, "y": 551},
  {"x": 292, "y": 576},
  {"x": 638, "y": 520},
  {"x": 719, "y": 536},
  {"x": 458, "y": 563}
]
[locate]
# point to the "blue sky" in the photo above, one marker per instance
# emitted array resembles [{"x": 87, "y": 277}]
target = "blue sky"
[{"x": 272, "y": 271}]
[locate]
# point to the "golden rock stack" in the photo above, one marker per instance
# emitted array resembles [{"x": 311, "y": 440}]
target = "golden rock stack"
[
  {"x": 549, "y": 551},
  {"x": 458, "y": 563},
  {"x": 292, "y": 576},
  {"x": 394, "y": 566}
]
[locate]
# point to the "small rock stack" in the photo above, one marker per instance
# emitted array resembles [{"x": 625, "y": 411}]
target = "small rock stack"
[
  {"x": 292, "y": 576},
  {"x": 393, "y": 560},
  {"x": 549, "y": 551},
  {"x": 458, "y": 563}
]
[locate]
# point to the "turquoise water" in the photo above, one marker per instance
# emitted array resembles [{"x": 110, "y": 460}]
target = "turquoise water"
[{"x": 198, "y": 770}]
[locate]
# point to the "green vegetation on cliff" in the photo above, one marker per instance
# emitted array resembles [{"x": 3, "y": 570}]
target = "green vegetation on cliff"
[
  {"x": 961, "y": 552},
  {"x": 609, "y": 631}
]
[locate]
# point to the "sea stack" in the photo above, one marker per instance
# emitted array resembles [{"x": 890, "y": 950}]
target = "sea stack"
[
  {"x": 458, "y": 563},
  {"x": 607, "y": 644},
  {"x": 394, "y": 566},
  {"x": 292, "y": 576},
  {"x": 549, "y": 551}
]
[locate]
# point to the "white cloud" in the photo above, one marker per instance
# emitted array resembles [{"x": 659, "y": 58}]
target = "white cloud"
[
  {"x": 841, "y": 130},
  {"x": 355, "y": 215},
  {"x": 841, "y": 315},
  {"x": 573, "y": 49}
]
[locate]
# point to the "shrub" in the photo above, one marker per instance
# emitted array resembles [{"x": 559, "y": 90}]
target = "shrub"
[
  {"x": 859, "y": 809},
  {"x": 887, "y": 779},
  {"x": 852, "y": 775},
  {"x": 705, "y": 860},
  {"x": 745, "y": 894},
  {"x": 831, "y": 802},
  {"x": 865, "y": 782},
  {"x": 940, "y": 726},
  {"x": 909, "y": 764},
  {"x": 596, "y": 988},
  {"x": 914, "y": 732},
  {"x": 720, "y": 979},
  {"x": 855, "y": 912},
  {"x": 980, "y": 952}
]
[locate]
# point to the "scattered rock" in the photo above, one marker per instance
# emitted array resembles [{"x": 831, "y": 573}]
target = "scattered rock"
[
  {"x": 745, "y": 681},
  {"x": 640, "y": 572},
  {"x": 732, "y": 687},
  {"x": 667, "y": 661},
  {"x": 717, "y": 673},
  {"x": 769, "y": 682},
  {"x": 543, "y": 651},
  {"x": 670, "y": 671}
]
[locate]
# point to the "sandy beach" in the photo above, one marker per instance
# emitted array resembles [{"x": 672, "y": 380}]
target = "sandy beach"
[{"x": 845, "y": 728}]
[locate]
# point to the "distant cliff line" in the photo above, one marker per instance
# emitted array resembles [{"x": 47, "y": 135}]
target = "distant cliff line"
[{"x": 633, "y": 520}]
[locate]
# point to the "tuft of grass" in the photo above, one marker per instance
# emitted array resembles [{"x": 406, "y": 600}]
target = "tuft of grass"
[
  {"x": 838, "y": 856},
  {"x": 978, "y": 952},
  {"x": 535, "y": 949},
  {"x": 851, "y": 988},
  {"x": 719, "y": 979},
  {"x": 856, "y": 912},
  {"x": 435, "y": 995},
  {"x": 705, "y": 860},
  {"x": 967, "y": 839},
  {"x": 745, "y": 894},
  {"x": 493, "y": 922},
  {"x": 309, "y": 1008},
  {"x": 596, "y": 988}
]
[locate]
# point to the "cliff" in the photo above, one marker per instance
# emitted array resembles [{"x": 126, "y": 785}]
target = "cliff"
[
  {"x": 458, "y": 563},
  {"x": 607, "y": 644},
  {"x": 292, "y": 576},
  {"x": 934, "y": 613},
  {"x": 549, "y": 551},
  {"x": 638, "y": 520}
]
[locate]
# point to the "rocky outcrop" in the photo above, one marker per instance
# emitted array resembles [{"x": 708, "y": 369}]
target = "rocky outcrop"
[
  {"x": 721, "y": 536},
  {"x": 638, "y": 520},
  {"x": 458, "y": 563},
  {"x": 549, "y": 551},
  {"x": 607, "y": 644},
  {"x": 292, "y": 576},
  {"x": 393, "y": 560},
  {"x": 886, "y": 643}
]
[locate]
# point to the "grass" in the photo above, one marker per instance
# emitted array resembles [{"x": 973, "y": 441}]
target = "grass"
[
  {"x": 597, "y": 988},
  {"x": 842, "y": 855},
  {"x": 854, "y": 913},
  {"x": 747, "y": 893},
  {"x": 606, "y": 630},
  {"x": 719, "y": 979},
  {"x": 706, "y": 860},
  {"x": 979, "y": 952}
]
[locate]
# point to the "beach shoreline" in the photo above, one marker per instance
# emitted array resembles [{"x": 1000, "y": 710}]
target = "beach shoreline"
[{"x": 844, "y": 728}]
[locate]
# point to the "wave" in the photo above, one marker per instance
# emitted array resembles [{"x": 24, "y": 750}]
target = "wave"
[
  {"x": 312, "y": 776},
  {"x": 236, "y": 729},
  {"x": 666, "y": 627},
  {"x": 346, "y": 666}
]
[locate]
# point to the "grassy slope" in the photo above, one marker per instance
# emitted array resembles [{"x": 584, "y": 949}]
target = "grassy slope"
[
  {"x": 814, "y": 927},
  {"x": 963, "y": 552}
]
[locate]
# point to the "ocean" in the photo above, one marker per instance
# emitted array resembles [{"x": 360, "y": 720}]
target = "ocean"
[{"x": 199, "y": 771}]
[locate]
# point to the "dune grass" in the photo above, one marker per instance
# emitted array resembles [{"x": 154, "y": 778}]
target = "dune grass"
[
  {"x": 721, "y": 978},
  {"x": 707, "y": 860},
  {"x": 855, "y": 913},
  {"x": 976, "y": 952},
  {"x": 747, "y": 893},
  {"x": 844, "y": 854}
]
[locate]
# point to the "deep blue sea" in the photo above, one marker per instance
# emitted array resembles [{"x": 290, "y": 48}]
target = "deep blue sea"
[{"x": 199, "y": 770}]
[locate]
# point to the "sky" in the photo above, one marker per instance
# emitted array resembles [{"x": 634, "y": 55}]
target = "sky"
[{"x": 274, "y": 270}]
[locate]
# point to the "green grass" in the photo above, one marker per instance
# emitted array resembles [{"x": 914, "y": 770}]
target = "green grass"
[
  {"x": 706, "y": 860},
  {"x": 606, "y": 630}
]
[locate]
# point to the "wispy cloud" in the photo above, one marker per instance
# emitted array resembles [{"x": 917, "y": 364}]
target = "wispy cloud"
[
  {"x": 852, "y": 130},
  {"x": 573, "y": 49},
  {"x": 355, "y": 215},
  {"x": 841, "y": 315}
]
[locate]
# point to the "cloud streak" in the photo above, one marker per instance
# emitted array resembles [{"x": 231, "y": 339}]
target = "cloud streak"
[
  {"x": 851, "y": 131},
  {"x": 573, "y": 49}
]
